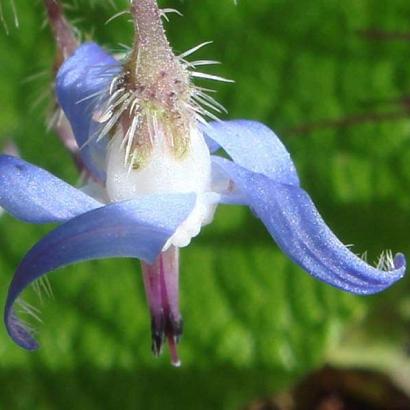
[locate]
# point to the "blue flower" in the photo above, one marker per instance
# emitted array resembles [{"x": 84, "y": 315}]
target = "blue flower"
[{"x": 151, "y": 217}]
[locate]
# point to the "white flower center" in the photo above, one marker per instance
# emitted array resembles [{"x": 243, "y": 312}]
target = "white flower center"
[{"x": 164, "y": 173}]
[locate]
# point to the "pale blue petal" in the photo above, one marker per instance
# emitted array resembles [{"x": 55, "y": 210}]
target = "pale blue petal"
[
  {"x": 80, "y": 82},
  {"x": 137, "y": 229},
  {"x": 293, "y": 221},
  {"x": 212, "y": 145},
  {"x": 34, "y": 195},
  {"x": 255, "y": 147}
]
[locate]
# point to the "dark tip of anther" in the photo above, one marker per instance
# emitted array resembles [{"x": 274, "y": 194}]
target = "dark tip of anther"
[
  {"x": 158, "y": 334},
  {"x": 177, "y": 329},
  {"x": 156, "y": 345}
]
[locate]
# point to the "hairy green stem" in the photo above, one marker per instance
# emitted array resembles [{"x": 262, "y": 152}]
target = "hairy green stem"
[{"x": 148, "y": 24}]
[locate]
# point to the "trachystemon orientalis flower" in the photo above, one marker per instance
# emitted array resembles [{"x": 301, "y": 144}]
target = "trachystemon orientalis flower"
[{"x": 141, "y": 125}]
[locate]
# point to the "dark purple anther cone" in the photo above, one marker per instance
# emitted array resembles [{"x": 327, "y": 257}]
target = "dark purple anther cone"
[{"x": 161, "y": 281}]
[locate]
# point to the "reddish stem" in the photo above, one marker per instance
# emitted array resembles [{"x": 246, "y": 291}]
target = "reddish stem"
[{"x": 63, "y": 32}]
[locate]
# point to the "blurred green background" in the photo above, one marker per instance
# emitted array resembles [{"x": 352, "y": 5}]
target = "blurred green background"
[{"x": 255, "y": 323}]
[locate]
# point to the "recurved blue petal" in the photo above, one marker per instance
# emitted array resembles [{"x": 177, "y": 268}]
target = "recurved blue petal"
[
  {"x": 138, "y": 228},
  {"x": 254, "y": 146},
  {"x": 34, "y": 195},
  {"x": 81, "y": 81},
  {"x": 294, "y": 222}
]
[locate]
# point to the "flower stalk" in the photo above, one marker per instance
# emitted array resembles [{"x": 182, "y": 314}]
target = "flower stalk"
[
  {"x": 151, "y": 97},
  {"x": 149, "y": 30}
]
